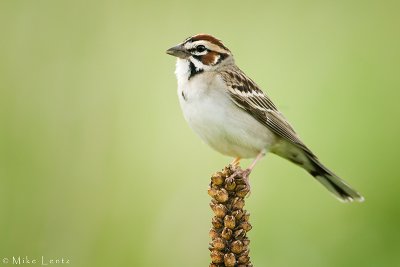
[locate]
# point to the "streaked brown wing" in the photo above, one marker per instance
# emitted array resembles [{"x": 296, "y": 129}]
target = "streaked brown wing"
[{"x": 247, "y": 95}]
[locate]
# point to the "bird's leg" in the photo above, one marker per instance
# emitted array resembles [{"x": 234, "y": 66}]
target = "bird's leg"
[
  {"x": 236, "y": 162},
  {"x": 246, "y": 173},
  {"x": 253, "y": 164}
]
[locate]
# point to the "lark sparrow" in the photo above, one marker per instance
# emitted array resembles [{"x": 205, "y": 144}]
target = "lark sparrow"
[{"x": 235, "y": 117}]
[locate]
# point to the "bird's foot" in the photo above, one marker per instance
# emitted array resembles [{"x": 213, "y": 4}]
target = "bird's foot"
[{"x": 244, "y": 174}]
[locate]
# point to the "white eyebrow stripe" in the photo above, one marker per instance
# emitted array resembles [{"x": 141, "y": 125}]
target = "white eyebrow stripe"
[{"x": 207, "y": 44}]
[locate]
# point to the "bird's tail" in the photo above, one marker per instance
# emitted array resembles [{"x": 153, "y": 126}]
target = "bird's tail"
[{"x": 333, "y": 183}]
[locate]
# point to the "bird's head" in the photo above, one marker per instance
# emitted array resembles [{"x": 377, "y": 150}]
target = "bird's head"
[{"x": 203, "y": 52}]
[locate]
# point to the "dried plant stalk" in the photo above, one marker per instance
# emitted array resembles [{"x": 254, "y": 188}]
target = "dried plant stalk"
[{"x": 229, "y": 244}]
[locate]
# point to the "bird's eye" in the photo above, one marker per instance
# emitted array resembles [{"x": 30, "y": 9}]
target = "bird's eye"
[{"x": 201, "y": 48}]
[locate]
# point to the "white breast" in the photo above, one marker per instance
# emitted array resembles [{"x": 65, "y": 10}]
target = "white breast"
[{"x": 218, "y": 121}]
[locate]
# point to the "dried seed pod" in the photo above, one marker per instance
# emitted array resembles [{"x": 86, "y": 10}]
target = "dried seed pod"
[
  {"x": 240, "y": 187},
  {"x": 226, "y": 233},
  {"x": 230, "y": 184},
  {"x": 238, "y": 203},
  {"x": 221, "y": 195},
  {"x": 243, "y": 259},
  {"x": 219, "y": 210},
  {"x": 213, "y": 233},
  {"x": 218, "y": 243},
  {"x": 212, "y": 191},
  {"x": 246, "y": 226},
  {"x": 217, "y": 179},
  {"x": 237, "y": 246},
  {"x": 243, "y": 192},
  {"x": 240, "y": 233},
  {"x": 229, "y": 259},
  {"x": 238, "y": 214},
  {"x": 217, "y": 256},
  {"x": 229, "y": 221},
  {"x": 217, "y": 222}
]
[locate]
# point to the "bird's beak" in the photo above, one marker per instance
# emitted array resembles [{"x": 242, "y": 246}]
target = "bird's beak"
[{"x": 178, "y": 51}]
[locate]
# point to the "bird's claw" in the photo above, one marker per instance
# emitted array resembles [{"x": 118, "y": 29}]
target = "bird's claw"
[{"x": 245, "y": 174}]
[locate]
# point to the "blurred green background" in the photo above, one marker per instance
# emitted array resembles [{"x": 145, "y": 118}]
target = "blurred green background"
[{"x": 98, "y": 166}]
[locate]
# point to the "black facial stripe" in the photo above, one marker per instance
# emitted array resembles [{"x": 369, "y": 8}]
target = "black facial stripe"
[
  {"x": 197, "y": 57},
  {"x": 222, "y": 56},
  {"x": 193, "y": 70}
]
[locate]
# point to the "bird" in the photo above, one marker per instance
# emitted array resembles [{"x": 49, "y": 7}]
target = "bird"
[{"x": 231, "y": 113}]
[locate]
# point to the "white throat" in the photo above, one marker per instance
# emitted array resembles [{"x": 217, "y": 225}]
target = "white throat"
[{"x": 182, "y": 70}]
